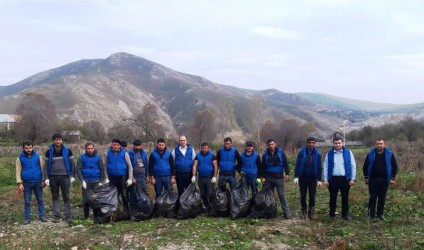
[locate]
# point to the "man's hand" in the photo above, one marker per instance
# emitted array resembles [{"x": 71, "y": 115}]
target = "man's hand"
[
  {"x": 193, "y": 179},
  {"x": 147, "y": 180},
  {"x": 43, "y": 184},
  {"x": 84, "y": 184},
  {"x": 351, "y": 182},
  {"x": 296, "y": 181},
  {"x": 287, "y": 177},
  {"x": 213, "y": 180},
  {"x": 153, "y": 181},
  {"x": 366, "y": 181},
  {"x": 326, "y": 183},
  {"x": 319, "y": 184},
  {"x": 20, "y": 187},
  {"x": 72, "y": 179},
  {"x": 134, "y": 181},
  {"x": 263, "y": 181},
  {"x": 173, "y": 180},
  {"x": 129, "y": 182},
  {"x": 392, "y": 181},
  {"x": 47, "y": 181},
  {"x": 106, "y": 181}
]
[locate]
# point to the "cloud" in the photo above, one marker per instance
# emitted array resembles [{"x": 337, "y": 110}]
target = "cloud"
[{"x": 278, "y": 33}]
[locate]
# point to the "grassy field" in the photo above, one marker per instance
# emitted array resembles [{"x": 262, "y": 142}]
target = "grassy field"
[{"x": 403, "y": 229}]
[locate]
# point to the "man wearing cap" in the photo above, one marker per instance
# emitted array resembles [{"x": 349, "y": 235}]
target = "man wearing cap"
[
  {"x": 250, "y": 163},
  {"x": 161, "y": 167},
  {"x": 91, "y": 172},
  {"x": 124, "y": 145},
  {"x": 139, "y": 163},
  {"x": 119, "y": 166},
  {"x": 228, "y": 158},
  {"x": 206, "y": 165},
  {"x": 183, "y": 155},
  {"x": 30, "y": 177},
  {"x": 307, "y": 175},
  {"x": 60, "y": 173}
]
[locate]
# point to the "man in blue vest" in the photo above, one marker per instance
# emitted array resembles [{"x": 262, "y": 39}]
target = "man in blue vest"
[
  {"x": 30, "y": 177},
  {"x": 228, "y": 158},
  {"x": 206, "y": 165},
  {"x": 339, "y": 174},
  {"x": 119, "y": 168},
  {"x": 307, "y": 175},
  {"x": 184, "y": 155},
  {"x": 139, "y": 163},
  {"x": 274, "y": 164},
  {"x": 380, "y": 169},
  {"x": 91, "y": 172},
  {"x": 60, "y": 173},
  {"x": 161, "y": 167},
  {"x": 250, "y": 163}
]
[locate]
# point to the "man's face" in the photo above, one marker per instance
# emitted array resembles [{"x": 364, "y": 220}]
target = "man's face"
[
  {"x": 249, "y": 148},
  {"x": 28, "y": 149},
  {"x": 271, "y": 146},
  {"x": 57, "y": 142},
  {"x": 379, "y": 145},
  {"x": 116, "y": 146},
  {"x": 338, "y": 145},
  {"x": 89, "y": 149},
  {"x": 205, "y": 149},
  {"x": 137, "y": 147},
  {"x": 183, "y": 141},
  {"x": 311, "y": 145},
  {"x": 227, "y": 145},
  {"x": 161, "y": 146}
]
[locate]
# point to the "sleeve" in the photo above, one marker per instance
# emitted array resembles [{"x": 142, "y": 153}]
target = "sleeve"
[
  {"x": 286, "y": 165},
  {"x": 103, "y": 172},
  {"x": 79, "y": 169},
  {"x": 262, "y": 169},
  {"x": 394, "y": 167},
  {"x": 129, "y": 166},
  {"x": 18, "y": 170},
  {"x": 365, "y": 167},
  {"x": 105, "y": 165},
  {"x": 218, "y": 156},
  {"x": 172, "y": 164},
  {"x": 319, "y": 177},
  {"x": 72, "y": 162},
  {"x": 173, "y": 154},
  {"x": 258, "y": 163},
  {"x": 43, "y": 172},
  {"x": 46, "y": 165},
  {"x": 239, "y": 161},
  {"x": 298, "y": 160},
  {"x": 193, "y": 155},
  {"x": 353, "y": 166},
  {"x": 151, "y": 163},
  {"x": 146, "y": 164},
  {"x": 326, "y": 168}
]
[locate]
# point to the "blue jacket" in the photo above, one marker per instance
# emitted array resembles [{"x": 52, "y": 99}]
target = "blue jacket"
[
  {"x": 116, "y": 164},
  {"x": 227, "y": 162},
  {"x": 274, "y": 168},
  {"x": 316, "y": 163},
  {"x": 248, "y": 164},
  {"x": 143, "y": 157},
  {"x": 65, "y": 154},
  {"x": 31, "y": 169},
  {"x": 161, "y": 165},
  {"x": 205, "y": 164},
  {"x": 347, "y": 163},
  {"x": 388, "y": 158},
  {"x": 90, "y": 167},
  {"x": 184, "y": 163}
]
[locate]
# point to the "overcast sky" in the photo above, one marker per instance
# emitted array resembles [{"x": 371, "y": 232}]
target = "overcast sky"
[{"x": 367, "y": 50}]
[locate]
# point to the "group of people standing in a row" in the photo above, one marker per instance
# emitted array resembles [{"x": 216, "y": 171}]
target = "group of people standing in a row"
[{"x": 163, "y": 168}]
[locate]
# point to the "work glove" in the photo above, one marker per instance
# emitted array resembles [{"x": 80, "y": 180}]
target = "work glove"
[
  {"x": 242, "y": 174},
  {"x": 100, "y": 184},
  {"x": 72, "y": 179},
  {"x": 47, "y": 181},
  {"x": 84, "y": 184},
  {"x": 106, "y": 181},
  {"x": 193, "y": 179},
  {"x": 296, "y": 181},
  {"x": 129, "y": 182},
  {"x": 213, "y": 180},
  {"x": 319, "y": 184}
]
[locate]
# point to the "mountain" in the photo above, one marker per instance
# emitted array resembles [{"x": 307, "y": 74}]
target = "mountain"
[{"x": 111, "y": 89}]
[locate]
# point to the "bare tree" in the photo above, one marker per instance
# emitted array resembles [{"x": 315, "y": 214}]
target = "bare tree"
[
  {"x": 203, "y": 127},
  {"x": 268, "y": 131},
  {"x": 37, "y": 115},
  {"x": 148, "y": 122},
  {"x": 289, "y": 133},
  {"x": 121, "y": 130},
  {"x": 94, "y": 131},
  {"x": 254, "y": 117},
  {"x": 225, "y": 115}
]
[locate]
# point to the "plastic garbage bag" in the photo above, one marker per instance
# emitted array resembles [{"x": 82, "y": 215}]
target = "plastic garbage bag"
[
  {"x": 166, "y": 204},
  {"x": 141, "y": 205},
  {"x": 219, "y": 202},
  {"x": 190, "y": 203},
  {"x": 103, "y": 197},
  {"x": 240, "y": 200},
  {"x": 264, "y": 205}
]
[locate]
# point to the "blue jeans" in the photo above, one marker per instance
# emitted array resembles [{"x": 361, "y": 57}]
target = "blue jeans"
[
  {"x": 161, "y": 183},
  {"x": 141, "y": 179},
  {"x": 38, "y": 191},
  {"x": 228, "y": 179},
  {"x": 278, "y": 183},
  {"x": 251, "y": 182}
]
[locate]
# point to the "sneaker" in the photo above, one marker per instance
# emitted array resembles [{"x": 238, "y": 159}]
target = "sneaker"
[
  {"x": 347, "y": 217},
  {"x": 286, "y": 216},
  {"x": 43, "y": 219},
  {"x": 27, "y": 221}
]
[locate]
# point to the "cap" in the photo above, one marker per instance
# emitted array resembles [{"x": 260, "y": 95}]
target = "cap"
[
  {"x": 56, "y": 135},
  {"x": 250, "y": 143}
]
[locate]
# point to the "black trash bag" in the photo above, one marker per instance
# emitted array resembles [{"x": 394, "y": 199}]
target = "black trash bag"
[
  {"x": 264, "y": 205},
  {"x": 219, "y": 202},
  {"x": 240, "y": 200},
  {"x": 190, "y": 203},
  {"x": 141, "y": 205},
  {"x": 166, "y": 204},
  {"x": 103, "y": 197},
  {"x": 102, "y": 218},
  {"x": 120, "y": 214}
]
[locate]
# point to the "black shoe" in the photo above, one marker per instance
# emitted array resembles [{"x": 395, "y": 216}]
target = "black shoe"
[
  {"x": 347, "y": 217},
  {"x": 304, "y": 214},
  {"x": 381, "y": 217},
  {"x": 286, "y": 216},
  {"x": 56, "y": 220},
  {"x": 43, "y": 219},
  {"x": 331, "y": 218},
  {"x": 68, "y": 220},
  {"x": 27, "y": 221},
  {"x": 369, "y": 218},
  {"x": 132, "y": 218}
]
